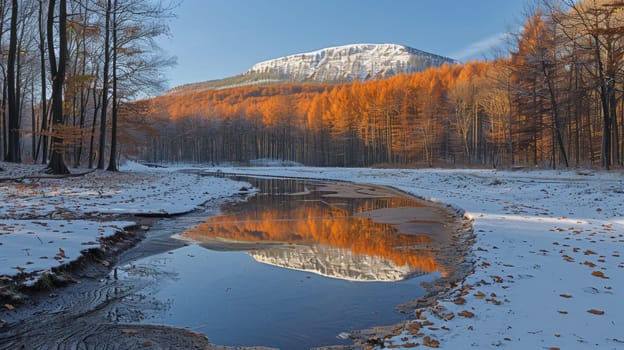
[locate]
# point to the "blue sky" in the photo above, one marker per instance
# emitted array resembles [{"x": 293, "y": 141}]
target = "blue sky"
[{"x": 214, "y": 39}]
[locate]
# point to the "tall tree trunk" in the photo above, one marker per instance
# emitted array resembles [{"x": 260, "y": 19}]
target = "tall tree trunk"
[
  {"x": 96, "y": 106},
  {"x": 3, "y": 89},
  {"x": 57, "y": 163},
  {"x": 614, "y": 127},
  {"x": 3, "y": 111},
  {"x": 33, "y": 121},
  {"x": 43, "y": 140},
  {"x": 604, "y": 100},
  {"x": 13, "y": 152},
  {"x": 84, "y": 100},
  {"x": 555, "y": 115},
  {"x": 104, "y": 105},
  {"x": 112, "y": 162}
]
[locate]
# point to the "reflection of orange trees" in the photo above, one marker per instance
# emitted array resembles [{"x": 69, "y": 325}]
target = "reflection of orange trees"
[{"x": 310, "y": 226}]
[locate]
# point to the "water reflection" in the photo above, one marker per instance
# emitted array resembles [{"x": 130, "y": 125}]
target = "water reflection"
[{"x": 344, "y": 231}]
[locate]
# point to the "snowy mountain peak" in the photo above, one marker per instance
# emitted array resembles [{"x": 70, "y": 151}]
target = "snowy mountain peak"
[
  {"x": 338, "y": 64},
  {"x": 348, "y": 63}
]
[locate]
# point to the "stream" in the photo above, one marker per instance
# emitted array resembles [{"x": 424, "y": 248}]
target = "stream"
[{"x": 296, "y": 265}]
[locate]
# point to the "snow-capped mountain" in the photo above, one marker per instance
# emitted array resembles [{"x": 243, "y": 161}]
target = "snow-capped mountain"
[
  {"x": 330, "y": 65},
  {"x": 348, "y": 63}
]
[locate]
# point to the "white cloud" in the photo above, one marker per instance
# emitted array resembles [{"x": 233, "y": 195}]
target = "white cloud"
[{"x": 480, "y": 46}]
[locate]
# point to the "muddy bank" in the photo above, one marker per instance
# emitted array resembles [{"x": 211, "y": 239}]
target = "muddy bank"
[{"x": 93, "y": 263}]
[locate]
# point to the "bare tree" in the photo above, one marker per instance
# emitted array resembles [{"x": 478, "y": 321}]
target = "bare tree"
[
  {"x": 105, "y": 82},
  {"x": 57, "y": 69},
  {"x": 43, "y": 140},
  {"x": 13, "y": 151}
]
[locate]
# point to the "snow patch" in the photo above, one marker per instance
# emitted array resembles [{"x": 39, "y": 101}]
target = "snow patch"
[{"x": 31, "y": 246}]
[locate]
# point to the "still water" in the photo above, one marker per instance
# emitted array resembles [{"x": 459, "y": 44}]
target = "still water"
[{"x": 292, "y": 266}]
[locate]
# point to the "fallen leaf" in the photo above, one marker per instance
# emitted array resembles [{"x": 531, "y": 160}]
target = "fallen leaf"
[
  {"x": 596, "y": 312},
  {"x": 568, "y": 258},
  {"x": 430, "y": 342},
  {"x": 459, "y": 301},
  {"x": 567, "y": 296},
  {"x": 479, "y": 295},
  {"x": 9, "y": 307},
  {"x": 563, "y": 312},
  {"x": 129, "y": 331},
  {"x": 466, "y": 314},
  {"x": 599, "y": 274},
  {"x": 448, "y": 317},
  {"x": 147, "y": 344}
]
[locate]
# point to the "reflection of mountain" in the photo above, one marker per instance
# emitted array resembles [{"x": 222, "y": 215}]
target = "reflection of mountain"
[
  {"x": 335, "y": 262},
  {"x": 352, "y": 245}
]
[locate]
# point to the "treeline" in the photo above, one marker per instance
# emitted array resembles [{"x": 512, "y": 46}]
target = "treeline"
[
  {"x": 556, "y": 100},
  {"x": 68, "y": 68}
]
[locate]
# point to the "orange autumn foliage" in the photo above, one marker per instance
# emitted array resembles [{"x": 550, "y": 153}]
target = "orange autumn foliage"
[{"x": 396, "y": 120}]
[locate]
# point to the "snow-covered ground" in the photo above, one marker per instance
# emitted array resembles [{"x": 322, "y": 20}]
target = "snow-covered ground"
[
  {"x": 42, "y": 221},
  {"x": 549, "y": 264},
  {"x": 549, "y": 256},
  {"x": 135, "y": 190},
  {"x": 37, "y": 245}
]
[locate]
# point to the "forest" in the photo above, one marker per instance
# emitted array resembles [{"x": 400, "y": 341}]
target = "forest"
[
  {"x": 69, "y": 69},
  {"x": 554, "y": 98}
]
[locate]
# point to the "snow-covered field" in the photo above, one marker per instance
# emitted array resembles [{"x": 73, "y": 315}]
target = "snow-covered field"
[
  {"x": 42, "y": 221},
  {"x": 549, "y": 255}
]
